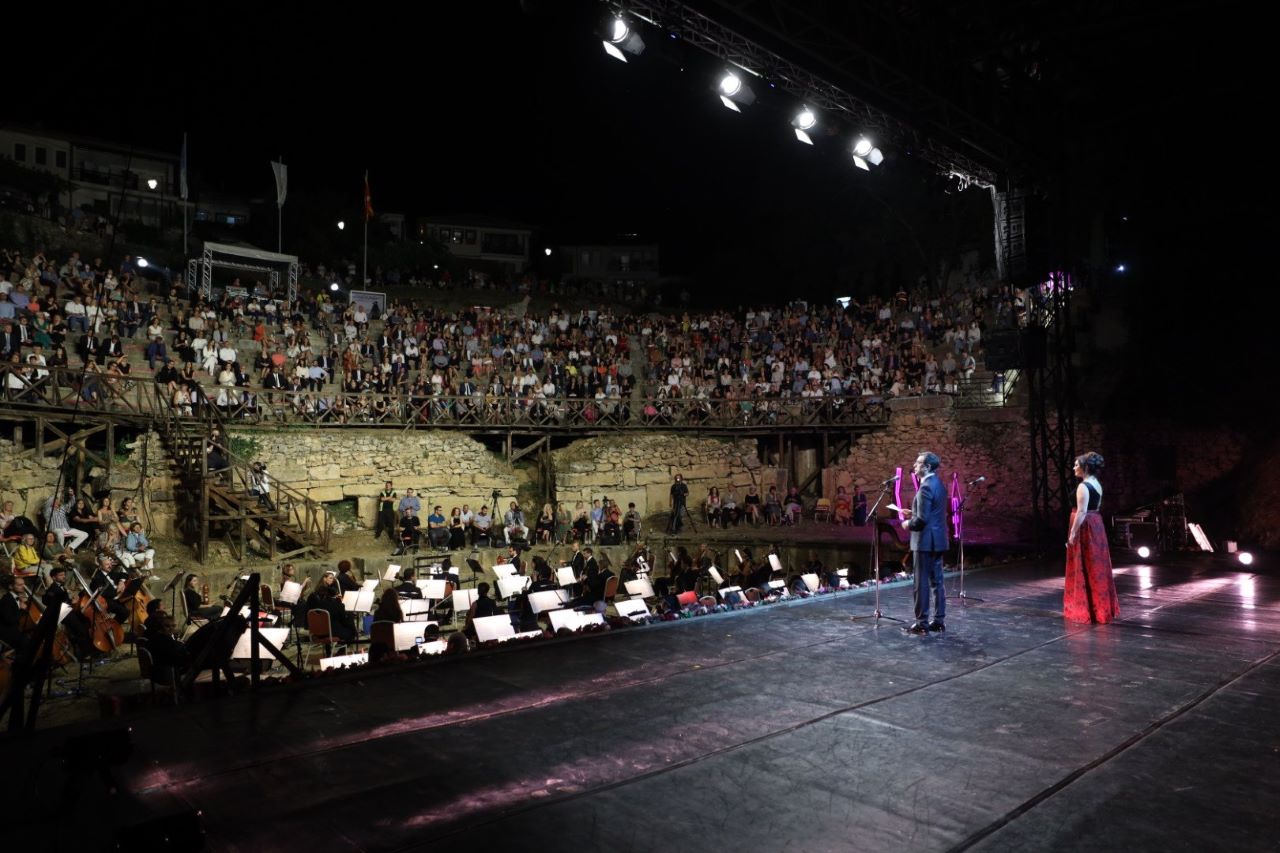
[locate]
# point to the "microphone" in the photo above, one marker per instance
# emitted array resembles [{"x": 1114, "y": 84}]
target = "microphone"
[
  {"x": 889, "y": 482},
  {"x": 977, "y": 481}
]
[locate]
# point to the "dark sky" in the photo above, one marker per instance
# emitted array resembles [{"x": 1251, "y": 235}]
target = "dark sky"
[{"x": 512, "y": 110}]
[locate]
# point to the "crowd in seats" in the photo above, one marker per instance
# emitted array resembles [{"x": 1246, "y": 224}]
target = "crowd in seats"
[{"x": 250, "y": 350}]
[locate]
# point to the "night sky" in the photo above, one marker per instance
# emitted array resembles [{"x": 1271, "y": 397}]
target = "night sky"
[{"x": 511, "y": 110}]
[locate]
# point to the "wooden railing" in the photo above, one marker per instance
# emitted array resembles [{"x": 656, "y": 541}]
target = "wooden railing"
[{"x": 141, "y": 398}]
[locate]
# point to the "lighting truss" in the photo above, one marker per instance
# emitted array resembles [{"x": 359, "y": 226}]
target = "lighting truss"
[{"x": 718, "y": 40}]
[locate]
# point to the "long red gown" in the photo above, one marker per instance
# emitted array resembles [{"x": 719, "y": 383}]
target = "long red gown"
[{"x": 1090, "y": 593}]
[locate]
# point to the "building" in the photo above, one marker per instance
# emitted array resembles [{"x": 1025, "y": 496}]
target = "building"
[
  {"x": 503, "y": 244},
  {"x": 626, "y": 262},
  {"x": 102, "y": 175}
]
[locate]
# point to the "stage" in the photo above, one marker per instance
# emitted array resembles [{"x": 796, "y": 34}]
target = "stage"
[{"x": 789, "y": 727}]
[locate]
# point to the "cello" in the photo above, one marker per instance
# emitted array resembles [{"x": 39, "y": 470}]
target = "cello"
[
  {"x": 30, "y": 612},
  {"x": 105, "y": 632}
]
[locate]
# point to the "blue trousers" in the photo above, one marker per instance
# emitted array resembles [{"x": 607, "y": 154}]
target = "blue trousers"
[{"x": 928, "y": 566}]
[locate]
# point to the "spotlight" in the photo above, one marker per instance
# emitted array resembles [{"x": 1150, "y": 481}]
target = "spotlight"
[
  {"x": 334, "y": 287},
  {"x": 1120, "y": 268},
  {"x": 152, "y": 183},
  {"x": 866, "y": 155},
  {"x": 734, "y": 92},
  {"x": 804, "y": 122},
  {"x": 143, "y": 263},
  {"x": 1245, "y": 558},
  {"x": 1144, "y": 552},
  {"x": 341, "y": 225},
  {"x": 547, "y": 251},
  {"x": 620, "y": 39}
]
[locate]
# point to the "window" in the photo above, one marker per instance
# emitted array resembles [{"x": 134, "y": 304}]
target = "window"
[
  {"x": 60, "y": 159},
  {"x": 42, "y": 156},
  {"x": 471, "y": 238},
  {"x": 20, "y": 152}
]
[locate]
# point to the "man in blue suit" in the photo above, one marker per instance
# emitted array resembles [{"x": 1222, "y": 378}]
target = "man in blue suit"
[{"x": 927, "y": 521}]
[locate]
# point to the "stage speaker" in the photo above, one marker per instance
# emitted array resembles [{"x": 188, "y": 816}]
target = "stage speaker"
[{"x": 1003, "y": 351}]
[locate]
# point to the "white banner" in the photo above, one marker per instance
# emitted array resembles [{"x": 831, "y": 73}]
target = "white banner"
[{"x": 282, "y": 181}]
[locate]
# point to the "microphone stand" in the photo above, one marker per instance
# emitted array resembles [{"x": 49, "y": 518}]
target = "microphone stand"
[
  {"x": 964, "y": 599},
  {"x": 876, "y": 615}
]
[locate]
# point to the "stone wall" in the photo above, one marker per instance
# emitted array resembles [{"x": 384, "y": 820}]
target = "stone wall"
[
  {"x": 639, "y": 468},
  {"x": 1145, "y": 460},
  {"x": 332, "y": 465},
  {"x": 26, "y": 481}
]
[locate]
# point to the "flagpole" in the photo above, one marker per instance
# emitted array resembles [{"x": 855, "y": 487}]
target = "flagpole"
[
  {"x": 182, "y": 187},
  {"x": 279, "y": 220}
]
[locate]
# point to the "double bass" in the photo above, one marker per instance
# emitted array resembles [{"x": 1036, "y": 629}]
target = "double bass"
[{"x": 105, "y": 632}]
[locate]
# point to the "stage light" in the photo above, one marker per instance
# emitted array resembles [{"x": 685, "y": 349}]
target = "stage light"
[
  {"x": 620, "y": 39},
  {"x": 1144, "y": 552},
  {"x": 341, "y": 225},
  {"x": 547, "y": 251},
  {"x": 866, "y": 154},
  {"x": 143, "y": 263},
  {"x": 152, "y": 183},
  {"x": 734, "y": 92},
  {"x": 1245, "y": 558},
  {"x": 334, "y": 287},
  {"x": 1120, "y": 268},
  {"x": 804, "y": 121}
]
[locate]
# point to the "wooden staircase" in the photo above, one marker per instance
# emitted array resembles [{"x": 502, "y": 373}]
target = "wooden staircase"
[{"x": 217, "y": 504}]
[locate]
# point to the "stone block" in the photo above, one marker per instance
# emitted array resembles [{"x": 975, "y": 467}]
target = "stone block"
[
  {"x": 367, "y": 511},
  {"x": 352, "y": 490},
  {"x": 325, "y": 494},
  {"x": 330, "y": 471}
]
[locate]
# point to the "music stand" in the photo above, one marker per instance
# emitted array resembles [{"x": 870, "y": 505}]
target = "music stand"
[
  {"x": 565, "y": 576},
  {"x": 290, "y": 592},
  {"x": 876, "y": 614},
  {"x": 548, "y": 599},
  {"x": 172, "y": 586},
  {"x": 477, "y": 571},
  {"x": 392, "y": 573},
  {"x": 810, "y": 581},
  {"x": 343, "y": 661},
  {"x": 462, "y": 601}
]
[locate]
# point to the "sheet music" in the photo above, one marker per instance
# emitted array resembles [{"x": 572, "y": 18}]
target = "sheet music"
[
  {"x": 392, "y": 572},
  {"x": 463, "y": 599},
  {"x": 493, "y": 628},
  {"x": 775, "y": 563},
  {"x": 290, "y": 593},
  {"x": 278, "y": 637},
  {"x": 408, "y": 634},
  {"x": 432, "y": 589},
  {"x": 549, "y": 599},
  {"x": 343, "y": 660},
  {"x": 371, "y": 583},
  {"x": 564, "y": 576},
  {"x": 632, "y": 609},
  {"x": 512, "y": 585},
  {"x": 640, "y": 588},
  {"x": 573, "y": 620},
  {"x": 504, "y": 569},
  {"x": 358, "y": 601},
  {"x": 715, "y": 575},
  {"x": 414, "y": 606},
  {"x": 811, "y": 581}
]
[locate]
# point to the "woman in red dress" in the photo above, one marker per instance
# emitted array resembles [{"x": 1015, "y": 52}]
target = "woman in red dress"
[{"x": 1090, "y": 594}]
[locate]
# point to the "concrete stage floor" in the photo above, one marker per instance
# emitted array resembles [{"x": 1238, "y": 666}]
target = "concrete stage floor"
[{"x": 786, "y": 728}]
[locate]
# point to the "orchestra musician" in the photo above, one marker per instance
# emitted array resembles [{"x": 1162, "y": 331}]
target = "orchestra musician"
[
  {"x": 407, "y": 588},
  {"x": 110, "y": 580},
  {"x": 76, "y": 626},
  {"x": 196, "y": 608},
  {"x": 12, "y": 605}
]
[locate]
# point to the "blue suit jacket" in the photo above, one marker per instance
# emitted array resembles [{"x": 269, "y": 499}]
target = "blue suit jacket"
[{"x": 928, "y": 524}]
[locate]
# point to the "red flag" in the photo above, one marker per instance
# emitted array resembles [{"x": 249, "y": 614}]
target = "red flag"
[{"x": 368, "y": 199}]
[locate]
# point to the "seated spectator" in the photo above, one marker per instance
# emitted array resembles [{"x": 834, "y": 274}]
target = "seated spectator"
[
  {"x": 842, "y": 506},
  {"x": 410, "y": 532},
  {"x": 792, "y": 505},
  {"x": 714, "y": 507},
  {"x": 631, "y": 523},
  {"x": 481, "y": 526},
  {"x": 513, "y": 524},
  {"x": 437, "y": 531},
  {"x": 136, "y": 551},
  {"x": 773, "y": 506}
]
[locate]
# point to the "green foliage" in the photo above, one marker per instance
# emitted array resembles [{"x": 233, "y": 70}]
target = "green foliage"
[{"x": 244, "y": 448}]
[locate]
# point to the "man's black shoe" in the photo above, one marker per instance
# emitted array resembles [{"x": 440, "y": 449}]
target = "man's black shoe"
[
  {"x": 917, "y": 628},
  {"x": 937, "y": 627}
]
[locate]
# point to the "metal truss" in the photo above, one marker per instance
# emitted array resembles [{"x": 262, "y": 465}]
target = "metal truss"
[
  {"x": 1052, "y": 410},
  {"x": 941, "y": 134}
]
